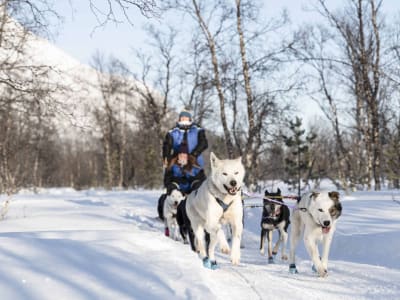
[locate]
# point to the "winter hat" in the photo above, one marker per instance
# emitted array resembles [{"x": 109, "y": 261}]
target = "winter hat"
[
  {"x": 183, "y": 148},
  {"x": 185, "y": 113}
]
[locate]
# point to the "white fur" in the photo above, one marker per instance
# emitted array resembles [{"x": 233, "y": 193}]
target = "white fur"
[
  {"x": 308, "y": 217},
  {"x": 170, "y": 208},
  {"x": 205, "y": 213}
]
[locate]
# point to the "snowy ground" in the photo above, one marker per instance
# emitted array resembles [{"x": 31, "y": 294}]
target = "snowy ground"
[{"x": 64, "y": 244}]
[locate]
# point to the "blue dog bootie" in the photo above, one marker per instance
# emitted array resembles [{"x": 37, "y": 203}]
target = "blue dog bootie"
[
  {"x": 214, "y": 265},
  {"x": 313, "y": 268},
  {"x": 210, "y": 264},
  {"x": 207, "y": 262},
  {"x": 271, "y": 260},
  {"x": 293, "y": 269}
]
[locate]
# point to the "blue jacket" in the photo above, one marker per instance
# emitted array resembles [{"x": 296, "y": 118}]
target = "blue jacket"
[
  {"x": 184, "y": 179},
  {"x": 196, "y": 141}
]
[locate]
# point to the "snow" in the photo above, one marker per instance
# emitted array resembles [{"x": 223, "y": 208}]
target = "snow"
[{"x": 97, "y": 244}]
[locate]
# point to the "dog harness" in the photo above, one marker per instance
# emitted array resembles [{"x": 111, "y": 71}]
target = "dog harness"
[{"x": 223, "y": 205}]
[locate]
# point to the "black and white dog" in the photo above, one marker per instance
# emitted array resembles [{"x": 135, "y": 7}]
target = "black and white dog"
[
  {"x": 170, "y": 212},
  {"x": 275, "y": 216},
  {"x": 315, "y": 217}
]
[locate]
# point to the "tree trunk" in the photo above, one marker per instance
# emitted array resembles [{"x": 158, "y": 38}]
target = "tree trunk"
[
  {"x": 249, "y": 152},
  {"x": 217, "y": 80}
]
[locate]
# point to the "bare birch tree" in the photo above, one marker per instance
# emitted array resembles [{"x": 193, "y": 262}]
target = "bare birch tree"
[{"x": 349, "y": 49}]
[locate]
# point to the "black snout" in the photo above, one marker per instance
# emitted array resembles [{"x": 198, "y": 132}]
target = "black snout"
[
  {"x": 176, "y": 202},
  {"x": 233, "y": 182},
  {"x": 327, "y": 223}
]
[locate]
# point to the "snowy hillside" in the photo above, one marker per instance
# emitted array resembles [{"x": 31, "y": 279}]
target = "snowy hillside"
[
  {"x": 66, "y": 244},
  {"x": 79, "y": 90}
]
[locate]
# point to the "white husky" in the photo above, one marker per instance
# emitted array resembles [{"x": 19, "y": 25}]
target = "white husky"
[
  {"x": 170, "y": 208},
  {"x": 217, "y": 201},
  {"x": 315, "y": 214}
]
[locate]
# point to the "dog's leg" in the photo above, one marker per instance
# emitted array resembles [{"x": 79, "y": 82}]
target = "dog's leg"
[
  {"x": 237, "y": 229},
  {"x": 294, "y": 239},
  {"x": 166, "y": 228},
  {"x": 278, "y": 242},
  {"x": 199, "y": 233},
  {"x": 192, "y": 240},
  {"x": 211, "y": 248},
  {"x": 269, "y": 238},
  {"x": 183, "y": 232},
  {"x": 170, "y": 226},
  {"x": 312, "y": 249},
  {"x": 262, "y": 240},
  {"x": 284, "y": 236},
  {"x": 176, "y": 235},
  {"x": 326, "y": 244},
  {"x": 223, "y": 243}
]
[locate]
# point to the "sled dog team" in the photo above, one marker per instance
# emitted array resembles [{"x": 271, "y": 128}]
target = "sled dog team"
[{"x": 199, "y": 217}]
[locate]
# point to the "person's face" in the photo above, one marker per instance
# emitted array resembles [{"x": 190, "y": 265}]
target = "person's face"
[
  {"x": 182, "y": 158},
  {"x": 184, "y": 119}
]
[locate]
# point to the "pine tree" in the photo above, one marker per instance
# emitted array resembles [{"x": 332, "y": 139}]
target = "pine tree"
[{"x": 298, "y": 158}]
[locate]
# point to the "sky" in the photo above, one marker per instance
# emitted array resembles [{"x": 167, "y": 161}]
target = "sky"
[{"x": 79, "y": 37}]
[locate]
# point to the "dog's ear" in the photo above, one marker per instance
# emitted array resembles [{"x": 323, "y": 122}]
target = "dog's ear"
[
  {"x": 213, "y": 160},
  {"x": 314, "y": 195},
  {"x": 266, "y": 193},
  {"x": 279, "y": 191},
  {"x": 336, "y": 210},
  {"x": 334, "y": 196}
]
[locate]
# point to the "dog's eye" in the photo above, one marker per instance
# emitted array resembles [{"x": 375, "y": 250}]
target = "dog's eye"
[
  {"x": 320, "y": 209},
  {"x": 236, "y": 173},
  {"x": 225, "y": 174}
]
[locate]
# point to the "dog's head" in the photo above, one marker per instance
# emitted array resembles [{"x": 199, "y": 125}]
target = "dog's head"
[
  {"x": 272, "y": 209},
  {"x": 325, "y": 208},
  {"x": 175, "y": 198},
  {"x": 227, "y": 174}
]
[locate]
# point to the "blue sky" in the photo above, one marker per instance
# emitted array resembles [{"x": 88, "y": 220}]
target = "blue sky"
[{"x": 77, "y": 36}]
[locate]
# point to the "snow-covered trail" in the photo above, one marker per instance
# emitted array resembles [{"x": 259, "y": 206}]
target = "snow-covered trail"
[{"x": 64, "y": 244}]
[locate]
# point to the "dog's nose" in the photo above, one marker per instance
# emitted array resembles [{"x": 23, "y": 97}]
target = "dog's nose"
[
  {"x": 176, "y": 202},
  {"x": 327, "y": 223},
  {"x": 233, "y": 182}
]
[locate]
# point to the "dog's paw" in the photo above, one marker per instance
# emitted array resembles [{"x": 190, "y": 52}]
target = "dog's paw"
[
  {"x": 322, "y": 272},
  {"x": 214, "y": 265},
  {"x": 225, "y": 249},
  {"x": 207, "y": 262},
  {"x": 284, "y": 257},
  {"x": 235, "y": 258},
  {"x": 262, "y": 251},
  {"x": 210, "y": 264},
  {"x": 293, "y": 269},
  {"x": 235, "y": 261},
  {"x": 313, "y": 268}
]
